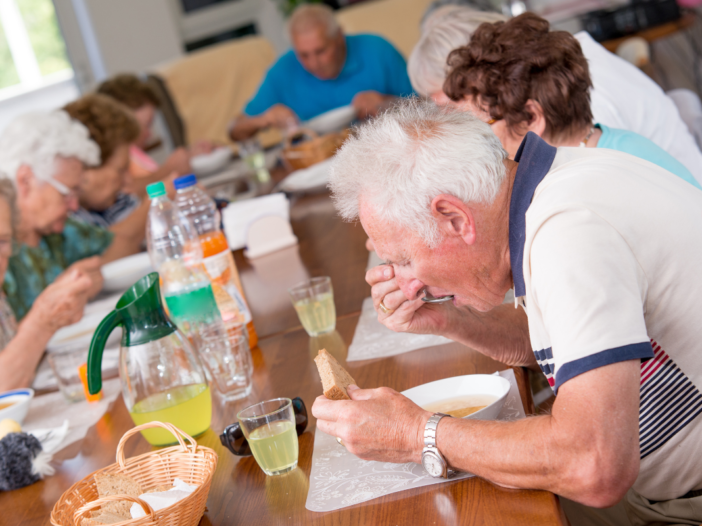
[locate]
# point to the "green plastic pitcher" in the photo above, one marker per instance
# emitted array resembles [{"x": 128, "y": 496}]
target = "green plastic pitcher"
[{"x": 162, "y": 378}]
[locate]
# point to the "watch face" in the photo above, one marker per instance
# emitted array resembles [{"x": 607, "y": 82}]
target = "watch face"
[{"x": 432, "y": 464}]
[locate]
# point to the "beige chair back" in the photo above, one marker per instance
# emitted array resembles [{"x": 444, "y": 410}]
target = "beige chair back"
[
  {"x": 212, "y": 86},
  {"x": 396, "y": 20}
]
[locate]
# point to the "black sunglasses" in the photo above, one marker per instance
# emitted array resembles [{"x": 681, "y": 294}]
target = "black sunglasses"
[{"x": 234, "y": 440}]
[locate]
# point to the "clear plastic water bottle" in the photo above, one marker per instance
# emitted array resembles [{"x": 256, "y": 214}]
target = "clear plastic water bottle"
[
  {"x": 202, "y": 211},
  {"x": 176, "y": 255}
]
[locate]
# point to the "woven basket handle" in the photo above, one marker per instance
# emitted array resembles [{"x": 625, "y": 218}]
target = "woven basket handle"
[
  {"x": 180, "y": 435},
  {"x": 103, "y": 500},
  {"x": 309, "y": 132}
]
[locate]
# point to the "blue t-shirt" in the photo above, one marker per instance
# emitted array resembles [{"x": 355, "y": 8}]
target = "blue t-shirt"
[
  {"x": 372, "y": 63},
  {"x": 641, "y": 147}
]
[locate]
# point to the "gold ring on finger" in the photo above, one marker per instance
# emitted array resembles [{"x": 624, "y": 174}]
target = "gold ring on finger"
[{"x": 384, "y": 308}]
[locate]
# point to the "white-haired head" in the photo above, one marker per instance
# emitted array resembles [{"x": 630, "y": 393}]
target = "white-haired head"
[
  {"x": 446, "y": 29},
  {"x": 312, "y": 16},
  {"x": 399, "y": 162},
  {"x": 36, "y": 139}
]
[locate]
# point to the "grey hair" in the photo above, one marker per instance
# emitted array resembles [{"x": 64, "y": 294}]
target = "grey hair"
[
  {"x": 7, "y": 192},
  {"x": 308, "y": 16},
  {"x": 446, "y": 29},
  {"x": 400, "y": 161},
  {"x": 36, "y": 139}
]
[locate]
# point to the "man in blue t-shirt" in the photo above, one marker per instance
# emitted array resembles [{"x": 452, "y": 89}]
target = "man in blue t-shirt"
[{"x": 324, "y": 70}]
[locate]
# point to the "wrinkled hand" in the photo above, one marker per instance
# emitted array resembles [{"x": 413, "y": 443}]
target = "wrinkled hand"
[
  {"x": 368, "y": 103},
  {"x": 170, "y": 187},
  {"x": 89, "y": 267},
  {"x": 178, "y": 161},
  {"x": 61, "y": 303},
  {"x": 405, "y": 315},
  {"x": 376, "y": 424},
  {"x": 280, "y": 116}
]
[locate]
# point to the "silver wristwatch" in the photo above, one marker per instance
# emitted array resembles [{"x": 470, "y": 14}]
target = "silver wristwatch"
[{"x": 432, "y": 460}]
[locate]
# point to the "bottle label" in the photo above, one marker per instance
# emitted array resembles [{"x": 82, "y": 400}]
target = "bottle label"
[{"x": 220, "y": 268}]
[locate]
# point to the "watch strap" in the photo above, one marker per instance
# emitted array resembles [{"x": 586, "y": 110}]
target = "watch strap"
[{"x": 430, "y": 429}]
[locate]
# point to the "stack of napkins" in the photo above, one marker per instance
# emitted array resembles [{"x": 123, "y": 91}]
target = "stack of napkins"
[
  {"x": 239, "y": 215},
  {"x": 162, "y": 499}
]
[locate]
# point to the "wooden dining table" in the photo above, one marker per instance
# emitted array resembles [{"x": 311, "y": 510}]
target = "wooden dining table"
[{"x": 241, "y": 493}]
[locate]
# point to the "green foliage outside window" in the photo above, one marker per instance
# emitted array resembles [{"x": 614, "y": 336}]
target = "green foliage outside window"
[
  {"x": 8, "y": 72},
  {"x": 40, "y": 20},
  {"x": 288, "y": 6}
]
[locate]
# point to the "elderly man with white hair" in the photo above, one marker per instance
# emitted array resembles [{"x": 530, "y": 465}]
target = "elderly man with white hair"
[
  {"x": 602, "y": 250},
  {"x": 45, "y": 154},
  {"x": 622, "y": 97},
  {"x": 324, "y": 71}
]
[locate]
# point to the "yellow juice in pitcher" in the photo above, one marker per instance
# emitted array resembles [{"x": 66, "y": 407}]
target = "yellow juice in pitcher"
[{"x": 187, "y": 407}]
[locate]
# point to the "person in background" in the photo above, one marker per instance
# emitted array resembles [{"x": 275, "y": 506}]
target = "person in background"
[
  {"x": 324, "y": 70},
  {"x": 45, "y": 154},
  {"x": 60, "y": 304},
  {"x": 518, "y": 77},
  {"x": 138, "y": 96},
  {"x": 102, "y": 200},
  {"x": 622, "y": 96}
]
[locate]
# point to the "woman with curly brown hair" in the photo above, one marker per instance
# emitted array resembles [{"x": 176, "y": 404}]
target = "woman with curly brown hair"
[
  {"x": 102, "y": 200},
  {"x": 519, "y": 77}
]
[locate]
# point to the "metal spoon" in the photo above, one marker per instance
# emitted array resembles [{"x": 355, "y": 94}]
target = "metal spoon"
[{"x": 428, "y": 298}]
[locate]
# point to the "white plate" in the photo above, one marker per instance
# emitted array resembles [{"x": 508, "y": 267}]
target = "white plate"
[
  {"x": 332, "y": 121},
  {"x": 18, "y": 410},
  {"x": 471, "y": 384},
  {"x": 121, "y": 274},
  {"x": 208, "y": 163}
]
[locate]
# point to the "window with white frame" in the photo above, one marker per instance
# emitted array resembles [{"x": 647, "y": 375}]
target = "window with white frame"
[{"x": 32, "y": 50}]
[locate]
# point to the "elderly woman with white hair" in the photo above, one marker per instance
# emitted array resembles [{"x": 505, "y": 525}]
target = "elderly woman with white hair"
[
  {"x": 45, "y": 155},
  {"x": 60, "y": 304},
  {"x": 622, "y": 96}
]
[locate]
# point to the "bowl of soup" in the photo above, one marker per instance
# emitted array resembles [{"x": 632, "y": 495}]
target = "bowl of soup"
[
  {"x": 478, "y": 396},
  {"x": 15, "y": 404}
]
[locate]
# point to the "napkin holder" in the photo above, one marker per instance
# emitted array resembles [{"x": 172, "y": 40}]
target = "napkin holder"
[{"x": 268, "y": 234}]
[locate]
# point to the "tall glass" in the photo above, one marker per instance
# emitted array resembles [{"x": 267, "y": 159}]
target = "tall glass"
[
  {"x": 65, "y": 362},
  {"x": 269, "y": 427},
  {"x": 228, "y": 360},
  {"x": 314, "y": 302}
]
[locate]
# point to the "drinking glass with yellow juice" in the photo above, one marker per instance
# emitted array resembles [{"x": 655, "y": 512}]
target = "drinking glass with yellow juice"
[
  {"x": 269, "y": 428},
  {"x": 314, "y": 302}
]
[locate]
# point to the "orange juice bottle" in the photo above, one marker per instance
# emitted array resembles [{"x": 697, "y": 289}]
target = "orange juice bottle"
[{"x": 217, "y": 258}]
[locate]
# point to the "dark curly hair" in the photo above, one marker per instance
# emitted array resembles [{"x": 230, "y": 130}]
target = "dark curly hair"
[
  {"x": 130, "y": 90},
  {"x": 507, "y": 63},
  {"x": 109, "y": 122}
]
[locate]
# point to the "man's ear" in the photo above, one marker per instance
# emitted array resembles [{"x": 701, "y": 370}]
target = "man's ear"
[
  {"x": 454, "y": 218},
  {"x": 537, "y": 124},
  {"x": 24, "y": 180}
]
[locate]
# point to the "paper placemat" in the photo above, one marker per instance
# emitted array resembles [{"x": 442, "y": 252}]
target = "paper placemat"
[
  {"x": 372, "y": 339},
  {"x": 340, "y": 479},
  {"x": 51, "y": 410}
]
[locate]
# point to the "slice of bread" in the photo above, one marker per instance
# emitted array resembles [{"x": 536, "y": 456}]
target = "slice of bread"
[
  {"x": 117, "y": 484},
  {"x": 103, "y": 518},
  {"x": 334, "y": 377}
]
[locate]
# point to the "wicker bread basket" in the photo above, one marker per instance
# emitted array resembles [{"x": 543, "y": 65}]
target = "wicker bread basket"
[
  {"x": 313, "y": 150},
  {"x": 192, "y": 464}
]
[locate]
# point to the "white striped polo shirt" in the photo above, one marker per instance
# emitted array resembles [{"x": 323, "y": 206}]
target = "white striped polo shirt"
[{"x": 606, "y": 253}]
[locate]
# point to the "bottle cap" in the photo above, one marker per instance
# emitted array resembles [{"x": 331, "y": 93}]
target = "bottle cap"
[
  {"x": 185, "y": 182},
  {"x": 156, "y": 190}
]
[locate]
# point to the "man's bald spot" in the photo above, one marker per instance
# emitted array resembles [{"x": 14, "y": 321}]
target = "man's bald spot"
[{"x": 311, "y": 17}]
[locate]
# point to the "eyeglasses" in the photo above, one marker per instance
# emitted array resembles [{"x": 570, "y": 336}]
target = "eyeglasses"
[
  {"x": 62, "y": 189},
  {"x": 234, "y": 440}
]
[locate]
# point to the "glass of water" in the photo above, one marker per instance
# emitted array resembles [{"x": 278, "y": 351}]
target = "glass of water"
[
  {"x": 228, "y": 360},
  {"x": 269, "y": 427},
  {"x": 253, "y": 155},
  {"x": 314, "y": 302},
  {"x": 65, "y": 362}
]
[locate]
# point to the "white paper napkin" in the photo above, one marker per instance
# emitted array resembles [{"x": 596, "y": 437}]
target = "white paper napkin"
[
  {"x": 162, "y": 499},
  {"x": 340, "y": 479},
  {"x": 237, "y": 216}
]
